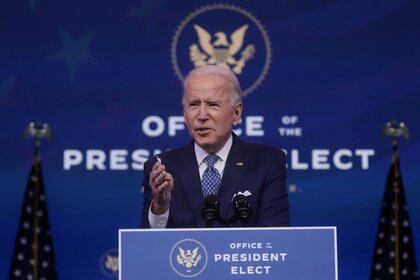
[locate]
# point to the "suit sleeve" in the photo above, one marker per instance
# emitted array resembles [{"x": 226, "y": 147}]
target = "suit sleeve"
[
  {"x": 147, "y": 194},
  {"x": 274, "y": 204}
]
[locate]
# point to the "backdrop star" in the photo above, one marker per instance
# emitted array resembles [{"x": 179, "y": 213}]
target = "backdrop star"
[
  {"x": 74, "y": 51},
  {"x": 32, "y": 4},
  {"x": 147, "y": 7}
]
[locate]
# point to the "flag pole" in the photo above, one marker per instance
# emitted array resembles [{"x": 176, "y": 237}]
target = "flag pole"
[
  {"x": 37, "y": 131},
  {"x": 394, "y": 130}
]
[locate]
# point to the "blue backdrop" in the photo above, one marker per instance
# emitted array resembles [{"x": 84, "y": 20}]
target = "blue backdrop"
[{"x": 321, "y": 77}]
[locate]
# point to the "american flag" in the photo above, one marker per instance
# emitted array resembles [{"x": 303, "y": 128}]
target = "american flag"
[
  {"x": 33, "y": 257},
  {"x": 394, "y": 257}
]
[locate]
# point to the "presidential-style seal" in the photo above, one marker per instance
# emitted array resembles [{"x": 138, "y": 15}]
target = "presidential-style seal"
[
  {"x": 225, "y": 35},
  {"x": 109, "y": 263},
  {"x": 188, "y": 258}
]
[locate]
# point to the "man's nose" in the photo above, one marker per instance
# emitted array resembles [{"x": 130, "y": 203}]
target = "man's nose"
[{"x": 202, "y": 113}]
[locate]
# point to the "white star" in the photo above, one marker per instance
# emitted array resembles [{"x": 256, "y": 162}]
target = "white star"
[
  {"x": 406, "y": 239},
  {"x": 393, "y": 222},
  {"x": 28, "y": 209},
  {"x": 26, "y": 225},
  {"x": 23, "y": 241},
  {"x": 20, "y": 257},
  {"x": 16, "y": 272},
  {"x": 379, "y": 251},
  {"x": 378, "y": 266},
  {"x": 42, "y": 197},
  {"x": 381, "y": 235},
  {"x": 30, "y": 193},
  {"x": 392, "y": 254},
  {"x": 383, "y": 220},
  {"x": 31, "y": 262},
  {"x": 47, "y": 248},
  {"x": 406, "y": 223},
  {"x": 40, "y": 213},
  {"x": 30, "y": 277},
  {"x": 44, "y": 264},
  {"x": 391, "y": 270},
  {"x": 405, "y": 255},
  {"x": 392, "y": 238},
  {"x": 404, "y": 271}
]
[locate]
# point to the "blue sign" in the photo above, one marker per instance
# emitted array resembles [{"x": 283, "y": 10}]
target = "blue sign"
[{"x": 254, "y": 253}]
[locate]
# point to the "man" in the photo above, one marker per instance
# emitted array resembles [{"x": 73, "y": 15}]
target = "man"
[{"x": 216, "y": 162}]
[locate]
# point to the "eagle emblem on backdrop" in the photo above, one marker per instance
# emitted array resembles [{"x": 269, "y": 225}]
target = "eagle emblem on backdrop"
[
  {"x": 225, "y": 35},
  {"x": 218, "y": 50},
  {"x": 188, "y": 258}
]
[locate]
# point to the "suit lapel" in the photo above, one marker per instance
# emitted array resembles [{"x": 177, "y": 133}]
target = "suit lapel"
[
  {"x": 234, "y": 170},
  {"x": 190, "y": 178}
]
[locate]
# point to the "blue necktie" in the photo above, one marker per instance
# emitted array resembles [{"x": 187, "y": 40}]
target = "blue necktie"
[{"x": 211, "y": 180}]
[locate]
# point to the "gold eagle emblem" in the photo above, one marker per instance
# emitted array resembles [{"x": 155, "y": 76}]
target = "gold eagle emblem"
[
  {"x": 111, "y": 263},
  {"x": 188, "y": 258},
  {"x": 217, "y": 50}
]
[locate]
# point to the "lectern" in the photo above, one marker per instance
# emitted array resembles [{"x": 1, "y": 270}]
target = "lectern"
[{"x": 229, "y": 253}]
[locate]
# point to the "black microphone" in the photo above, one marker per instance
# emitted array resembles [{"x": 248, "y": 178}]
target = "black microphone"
[
  {"x": 242, "y": 208},
  {"x": 210, "y": 210}
]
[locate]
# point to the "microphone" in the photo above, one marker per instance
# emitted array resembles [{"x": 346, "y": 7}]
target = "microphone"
[
  {"x": 210, "y": 210},
  {"x": 242, "y": 208}
]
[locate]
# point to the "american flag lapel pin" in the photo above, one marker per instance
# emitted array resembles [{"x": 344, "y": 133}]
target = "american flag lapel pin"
[{"x": 239, "y": 163}]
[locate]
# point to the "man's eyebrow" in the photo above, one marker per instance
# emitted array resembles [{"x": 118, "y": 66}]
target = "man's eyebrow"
[{"x": 213, "y": 101}]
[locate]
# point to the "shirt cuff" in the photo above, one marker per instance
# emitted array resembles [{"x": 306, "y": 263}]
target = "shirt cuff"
[{"x": 158, "y": 221}]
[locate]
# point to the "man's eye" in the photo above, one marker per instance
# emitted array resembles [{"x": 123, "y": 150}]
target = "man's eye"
[
  {"x": 193, "y": 104},
  {"x": 214, "y": 105}
]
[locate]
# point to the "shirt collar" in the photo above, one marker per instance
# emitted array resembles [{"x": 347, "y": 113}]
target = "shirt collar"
[{"x": 223, "y": 153}]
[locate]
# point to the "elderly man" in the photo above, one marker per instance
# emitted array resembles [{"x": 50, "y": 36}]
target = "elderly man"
[{"x": 215, "y": 162}]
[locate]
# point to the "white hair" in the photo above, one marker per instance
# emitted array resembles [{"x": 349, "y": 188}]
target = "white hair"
[{"x": 235, "y": 88}]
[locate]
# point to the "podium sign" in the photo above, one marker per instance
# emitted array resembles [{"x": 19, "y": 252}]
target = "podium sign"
[{"x": 228, "y": 253}]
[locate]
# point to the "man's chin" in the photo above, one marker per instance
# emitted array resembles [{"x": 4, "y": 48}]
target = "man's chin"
[{"x": 205, "y": 143}]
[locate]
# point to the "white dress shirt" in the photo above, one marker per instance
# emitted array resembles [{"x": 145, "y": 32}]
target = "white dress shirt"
[{"x": 159, "y": 221}]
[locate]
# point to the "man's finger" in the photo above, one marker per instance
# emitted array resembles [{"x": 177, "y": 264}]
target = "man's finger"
[
  {"x": 155, "y": 173},
  {"x": 161, "y": 178},
  {"x": 162, "y": 186},
  {"x": 156, "y": 166},
  {"x": 159, "y": 169},
  {"x": 169, "y": 179}
]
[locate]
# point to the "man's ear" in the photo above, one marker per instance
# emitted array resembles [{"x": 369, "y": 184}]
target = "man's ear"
[{"x": 237, "y": 113}]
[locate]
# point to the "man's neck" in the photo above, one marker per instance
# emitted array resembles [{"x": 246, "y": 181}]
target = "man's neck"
[{"x": 222, "y": 152}]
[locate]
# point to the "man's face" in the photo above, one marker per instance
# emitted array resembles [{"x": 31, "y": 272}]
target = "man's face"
[{"x": 209, "y": 112}]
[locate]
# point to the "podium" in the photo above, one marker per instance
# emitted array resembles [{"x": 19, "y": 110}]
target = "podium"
[{"x": 229, "y": 253}]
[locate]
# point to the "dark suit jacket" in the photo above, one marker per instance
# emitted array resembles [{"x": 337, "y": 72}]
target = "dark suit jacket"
[{"x": 258, "y": 168}]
